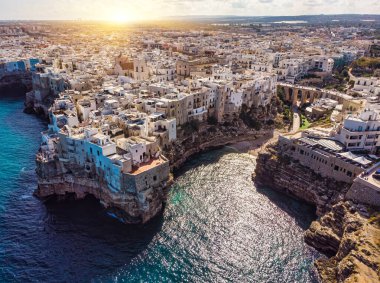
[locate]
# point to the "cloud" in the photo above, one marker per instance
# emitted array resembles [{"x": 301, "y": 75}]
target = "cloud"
[{"x": 241, "y": 4}]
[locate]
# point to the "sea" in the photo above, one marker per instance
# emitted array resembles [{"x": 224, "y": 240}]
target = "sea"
[{"x": 216, "y": 226}]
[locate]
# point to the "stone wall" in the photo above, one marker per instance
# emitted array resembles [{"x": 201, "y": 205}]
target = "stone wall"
[{"x": 362, "y": 192}]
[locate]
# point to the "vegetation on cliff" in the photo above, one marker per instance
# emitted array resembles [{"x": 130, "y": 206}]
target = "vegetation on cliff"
[{"x": 366, "y": 67}]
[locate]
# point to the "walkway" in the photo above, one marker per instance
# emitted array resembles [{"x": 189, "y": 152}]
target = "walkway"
[{"x": 296, "y": 120}]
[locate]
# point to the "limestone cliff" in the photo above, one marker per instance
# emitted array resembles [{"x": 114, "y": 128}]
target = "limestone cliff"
[
  {"x": 130, "y": 206},
  {"x": 250, "y": 124},
  {"x": 351, "y": 233},
  {"x": 15, "y": 84},
  {"x": 288, "y": 176},
  {"x": 40, "y": 108},
  {"x": 346, "y": 232},
  {"x": 208, "y": 137}
]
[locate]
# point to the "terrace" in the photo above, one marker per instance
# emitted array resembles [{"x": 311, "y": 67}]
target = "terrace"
[{"x": 148, "y": 165}]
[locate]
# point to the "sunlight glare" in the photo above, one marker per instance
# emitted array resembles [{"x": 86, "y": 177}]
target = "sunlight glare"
[{"x": 119, "y": 17}]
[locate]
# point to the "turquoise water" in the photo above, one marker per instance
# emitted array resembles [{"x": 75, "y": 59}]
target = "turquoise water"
[{"x": 216, "y": 227}]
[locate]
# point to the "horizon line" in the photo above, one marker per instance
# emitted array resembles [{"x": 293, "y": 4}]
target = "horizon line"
[{"x": 191, "y": 16}]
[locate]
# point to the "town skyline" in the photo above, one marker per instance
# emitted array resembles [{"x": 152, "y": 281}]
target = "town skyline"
[{"x": 146, "y": 10}]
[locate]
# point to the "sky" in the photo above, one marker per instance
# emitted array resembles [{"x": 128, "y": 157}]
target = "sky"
[{"x": 135, "y": 10}]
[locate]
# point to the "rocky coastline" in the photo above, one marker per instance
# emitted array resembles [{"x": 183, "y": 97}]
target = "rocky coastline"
[
  {"x": 32, "y": 106},
  {"x": 133, "y": 206},
  {"x": 62, "y": 183},
  {"x": 347, "y": 233},
  {"x": 208, "y": 138},
  {"x": 15, "y": 84},
  {"x": 235, "y": 129},
  {"x": 54, "y": 180}
]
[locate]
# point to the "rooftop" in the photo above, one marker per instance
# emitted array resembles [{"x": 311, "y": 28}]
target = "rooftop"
[{"x": 148, "y": 165}]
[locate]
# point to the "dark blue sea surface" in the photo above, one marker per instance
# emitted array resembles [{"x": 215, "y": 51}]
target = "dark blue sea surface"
[{"x": 216, "y": 227}]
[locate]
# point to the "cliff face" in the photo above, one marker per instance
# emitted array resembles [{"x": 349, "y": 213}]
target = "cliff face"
[
  {"x": 128, "y": 206},
  {"x": 16, "y": 84},
  {"x": 288, "y": 176},
  {"x": 352, "y": 233},
  {"x": 135, "y": 203},
  {"x": 348, "y": 233},
  {"x": 40, "y": 108},
  {"x": 207, "y": 138},
  {"x": 252, "y": 123}
]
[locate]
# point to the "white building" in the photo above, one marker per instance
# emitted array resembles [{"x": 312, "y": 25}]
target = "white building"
[
  {"x": 361, "y": 132},
  {"x": 323, "y": 63},
  {"x": 368, "y": 85}
]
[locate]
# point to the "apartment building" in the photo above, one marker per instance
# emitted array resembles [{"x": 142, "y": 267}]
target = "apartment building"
[{"x": 361, "y": 132}]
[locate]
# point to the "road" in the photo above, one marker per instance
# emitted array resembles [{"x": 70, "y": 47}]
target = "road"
[
  {"x": 296, "y": 120},
  {"x": 352, "y": 77}
]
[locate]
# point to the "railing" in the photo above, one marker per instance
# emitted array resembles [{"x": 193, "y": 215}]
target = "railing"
[{"x": 361, "y": 131}]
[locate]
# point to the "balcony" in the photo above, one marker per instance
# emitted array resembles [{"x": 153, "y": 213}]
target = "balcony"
[{"x": 362, "y": 130}]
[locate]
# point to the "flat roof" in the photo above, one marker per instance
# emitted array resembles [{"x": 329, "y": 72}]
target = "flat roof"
[
  {"x": 148, "y": 165},
  {"x": 326, "y": 143},
  {"x": 357, "y": 158}
]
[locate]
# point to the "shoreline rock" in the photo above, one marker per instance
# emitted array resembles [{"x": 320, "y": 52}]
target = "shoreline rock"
[
  {"x": 15, "y": 84},
  {"x": 208, "y": 138},
  {"x": 352, "y": 238},
  {"x": 132, "y": 206},
  {"x": 60, "y": 178},
  {"x": 348, "y": 233},
  {"x": 288, "y": 176}
]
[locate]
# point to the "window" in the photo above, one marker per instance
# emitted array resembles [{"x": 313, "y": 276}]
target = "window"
[
  {"x": 154, "y": 178},
  {"x": 98, "y": 153},
  {"x": 336, "y": 168}
]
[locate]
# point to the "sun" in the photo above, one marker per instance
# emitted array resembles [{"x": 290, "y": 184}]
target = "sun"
[{"x": 119, "y": 17}]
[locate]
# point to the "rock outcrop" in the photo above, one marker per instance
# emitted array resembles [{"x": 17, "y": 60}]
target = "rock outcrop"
[
  {"x": 348, "y": 233},
  {"x": 15, "y": 84},
  {"x": 135, "y": 205},
  {"x": 208, "y": 137},
  {"x": 288, "y": 176},
  {"x": 250, "y": 125},
  {"x": 351, "y": 233}
]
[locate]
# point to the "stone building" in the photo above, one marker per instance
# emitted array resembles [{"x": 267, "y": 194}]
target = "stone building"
[{"x": 326, "y": 157}]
